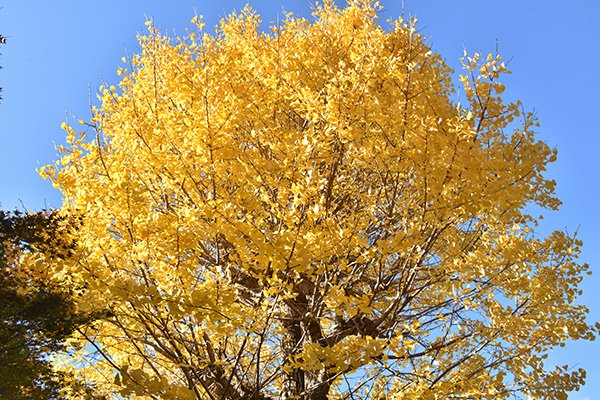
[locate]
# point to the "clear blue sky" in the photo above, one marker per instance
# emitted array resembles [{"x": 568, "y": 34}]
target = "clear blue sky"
[{"x": 57, "y": 49}]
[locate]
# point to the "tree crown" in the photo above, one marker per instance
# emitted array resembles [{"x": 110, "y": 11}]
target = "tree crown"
[{"x": 306, "y": 212}]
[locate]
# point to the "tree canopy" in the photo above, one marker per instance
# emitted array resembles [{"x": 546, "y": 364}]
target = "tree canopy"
[
  {"x": 35, "y": 314},
  {"x": 309, "y": 213}
]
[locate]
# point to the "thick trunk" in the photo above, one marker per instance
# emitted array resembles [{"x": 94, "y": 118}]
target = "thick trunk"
[
  {"x": 317, "y": 386},
  {"x": 293, "y": 381},
  {"x": 298, "y": 329}
]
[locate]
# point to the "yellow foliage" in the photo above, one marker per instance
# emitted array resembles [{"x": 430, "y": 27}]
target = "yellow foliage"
[{"x": 302, "y": 210}]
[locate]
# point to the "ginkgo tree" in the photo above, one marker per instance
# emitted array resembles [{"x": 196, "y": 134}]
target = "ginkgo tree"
[{"x": 307, "y": 212}]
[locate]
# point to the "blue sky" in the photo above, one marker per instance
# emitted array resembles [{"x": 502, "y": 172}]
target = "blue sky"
[{"x": 59, "y": 51}]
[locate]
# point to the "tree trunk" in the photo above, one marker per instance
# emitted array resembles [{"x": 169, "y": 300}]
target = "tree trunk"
[
  {"x": 317, "y": 385},
  {"x": 293, "y": 381}
]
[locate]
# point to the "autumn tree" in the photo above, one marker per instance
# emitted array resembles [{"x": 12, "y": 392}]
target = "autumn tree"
[{"x": 309, "y": 213}]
